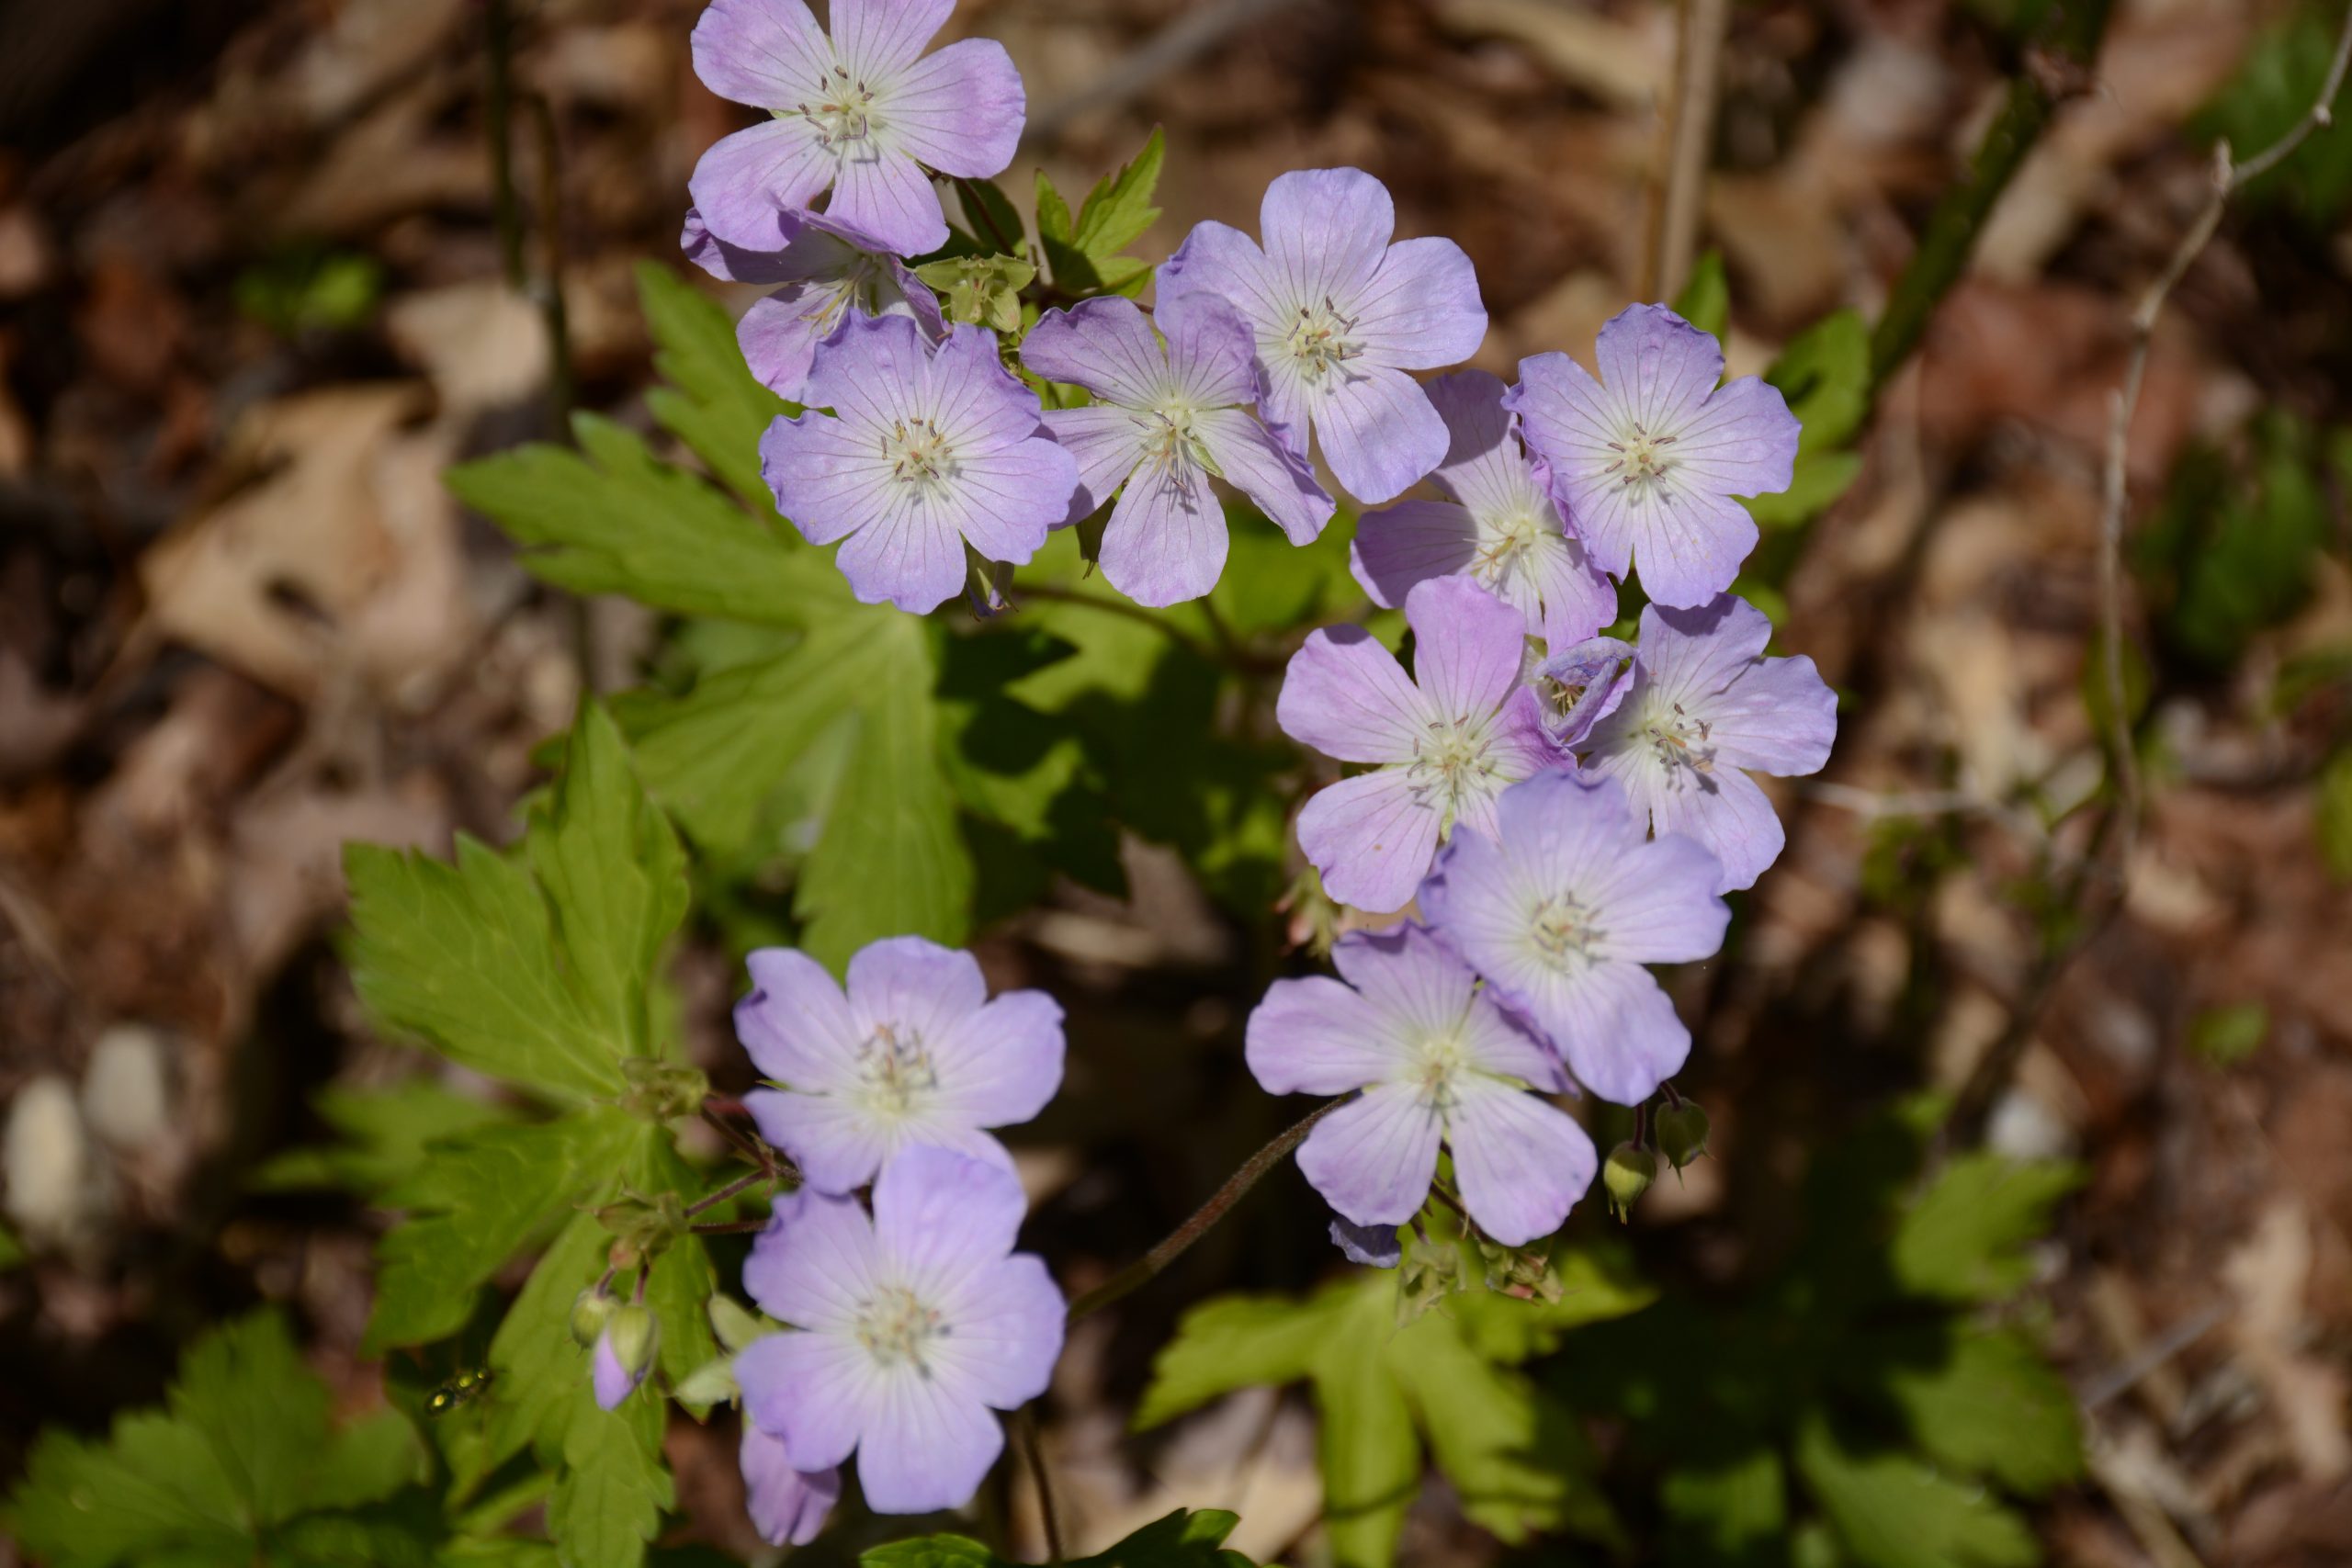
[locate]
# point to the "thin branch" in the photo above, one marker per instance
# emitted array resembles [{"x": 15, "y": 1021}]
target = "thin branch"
[
  {"x": 747, "y": 1180},
  {"x": 1011, "y": 246},
  {"x": 1144, "y": 1270},
  {"x": 1698, "y": 63},
  {"x": 498, "y": 98},
  {"x": 1033, "y": 1455},
  {"x": 2228, "y": 179},
  {"x": 730, "y": 1227}
]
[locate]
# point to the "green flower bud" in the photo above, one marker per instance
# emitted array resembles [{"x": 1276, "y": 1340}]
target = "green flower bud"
[
  {"x": 1628, "y": 1174},
  {"x": 1681, "y": 1132},
  {"x": 624, "y": 1354},
  {"x": 591, "y": 1310}
]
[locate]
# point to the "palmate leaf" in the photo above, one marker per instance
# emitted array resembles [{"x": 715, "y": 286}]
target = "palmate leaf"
[
  {"x": 1444, "y": 1382},
  {"x": 1891, "y": 1511},
  {"x": 1186, "y": 1539},
  {"x": 1964, "y": 1239},
  {"x": 243, "y": 1467},
  {"x": 532, "y": 969},
  {"x": 1083, "y": 252},
  {"x": 712, "y": 402}
]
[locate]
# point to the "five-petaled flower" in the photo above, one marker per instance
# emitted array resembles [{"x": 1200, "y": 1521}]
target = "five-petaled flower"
[
  {"x": 1499, "y": 525},
  {"x": 1560, "y": 905},
  {"x": 1447, "y": 740},
  {"x": 1437, "y": 1061},
  {"x": 1646, "y": 459},
  {"x": 926, "y": 447},
  {"x": 915, "y": 1052},
  {"x": 1160, "y": 424},
  {"x": 862, "y": 112},
  {"x": 1705, "y": 708},
  {"x": 912, "y": 1328},
  {"x": 1339, "y": 316},
  {"x": 829, "y": 274}
]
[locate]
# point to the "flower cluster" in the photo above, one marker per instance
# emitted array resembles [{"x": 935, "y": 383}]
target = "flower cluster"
[{"x": 910, "y": 1328}]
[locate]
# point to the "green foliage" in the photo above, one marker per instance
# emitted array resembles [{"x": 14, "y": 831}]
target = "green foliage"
[
  {"x": 2335, "y": 815},
  {"x": 241, "y": 1466},
  {"x": 310, "y": 288},
  {"x": 1860, "y": 1381},
  {"x": 1825, "y": 373},
  {"x": 1446, "y": 1381},
  {"x": 1186, "y": 1539},
  {"x": 710, "y": 403},
  {"x": 2224, "y": 1036},
  {"x": 384, "y": 1134},
  {"x": 2275, "y": 88},
  {"x": 1084, "y": 253},
  {"x": 2234, "y": 548},
  {"x": 982, "y": 290},
  {"x": 1705, "y": 300}
]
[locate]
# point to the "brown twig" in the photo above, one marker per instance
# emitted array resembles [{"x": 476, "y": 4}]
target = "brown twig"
[
  {"x": 1697, "y": 62},
  {"x": 1144, "y": 1270}
]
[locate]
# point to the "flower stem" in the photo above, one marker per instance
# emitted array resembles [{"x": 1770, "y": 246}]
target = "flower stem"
[
  {"x": 1032, "y": 1454},
  {"x": 749, "y": 1178},
  {"x": 1144, "y": 1270}
]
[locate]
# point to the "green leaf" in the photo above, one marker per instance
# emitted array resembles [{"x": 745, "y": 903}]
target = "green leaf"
[
  {"x": 480, "y": 1198},
  {"x": 613, "y": 1488},
  {"x": 2234, "y": 548},
  {"x": 1370, "y": 1457},
  {"x": 932, "y": 1552},
  {"x": 996, "y": 223},
  {"x": 384, "y": 1134},
  {"x": 713, "y": 403},
  {"x": 1824, "y": 372},
  {"x": 1185, "y": 1539},
  {"x": 538, "y": 1367},
  {"x": 1816, "y": 482},
  {"x": 1733, "y": 1512},
  {"x": 1236, "y": 1342},
  {"x": 2275, "y": 87},
  {"x": 680, "y": 1291},
  {"x": 12, "y": 1251},
  {"x": 1705, "y": 300},
  {"x": 538, "y": 980},
  {"x": 2335, "y": 815},
  {"x": 239, "y": 1466},
  {"x": 2224, "y": 1036},
  {"x": 1894, "y": 1512},
  {"x": 1085, "y": 253},
  {"x": 1965, "y": 1238},
  {"x": 611, "y": 519},
  {"x": 1991, "y": 1406}
]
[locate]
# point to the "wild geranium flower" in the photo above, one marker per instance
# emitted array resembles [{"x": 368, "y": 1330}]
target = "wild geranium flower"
[
  {"x": 925, "y": 448},
  {"x": 1583, "y": 684},
  {"x": 1447, "y": 739},
  {"x": 1560, "y": 905},
  {"x": 788, "y": 1505},
  {"x": 830, "y": 272},
  {"x": 912, "y": 1328},
  {"x": 1706, "y": 708},
  {"x": 915, "y": 1052},
  {"x": 1161, "y": 423},
  {"x": 1646, "y": 459},
  {"x": 1500, "y": 528},
  {"x": 860, "y": 112},
  {"x": 1339, "y": 316},
  {"x": 1438, "y": 1062}
]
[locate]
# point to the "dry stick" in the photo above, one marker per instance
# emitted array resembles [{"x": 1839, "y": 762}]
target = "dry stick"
[
  {"x": 2228, "y": 179},
  {"x": 1698, "y": 60},
  {"x": 1144, "y": 1270},
  {"x": 498, "y": 99}
]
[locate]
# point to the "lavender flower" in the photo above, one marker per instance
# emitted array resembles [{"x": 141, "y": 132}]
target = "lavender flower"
[
  {"x": 831, "y": 273},
  {"x": 1705, "y": 708},
  {"x": 788, "y": 1507},
  {"x": 859, "y": 113},
  {"x": 1561, "y": 904},
  {"x": 913, "y": 1326},
  {"x": 1374, "y": 1247},
  {"x": 1162, "y": 422},
  {"x": 1646, "y": 459},
  {"x": 1438, "y": 1061},
  {"x": 1446, "y": 746},
  {"x": 915, "y": 1052},
  {"x": 623, "y": 1354},
  {"x": 1584, "y": 684},
  {"x": 1498, "y": 527},
  {"x": 926, "y": 448},
  {"x": 1340, "y": 315}
]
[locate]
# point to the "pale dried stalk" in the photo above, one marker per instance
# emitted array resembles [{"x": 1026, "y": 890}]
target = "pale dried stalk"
[{"x": 1698, "y": 60}]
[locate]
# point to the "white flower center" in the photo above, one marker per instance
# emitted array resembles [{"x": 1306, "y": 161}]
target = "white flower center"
[
  {"x": 1642, "y": 462},
  {"x": 841, "y": 109},
  {"x": 1679, "y": 740},
  {"x": 894, "y": 1069},
  {"x": 859, "y": 284},
  {"x": 1563, "y": 931},
  {"x": 897, "y": 1329},
  {"x": 1172, "y": 449},
  {"x": 920, "y": 458},
  {"x": 1509, "y": 543},
  {"x": 1319, "y": 340},
  {"x": 1450, "y": 763},
  {"x": 1439, "y": 1065}
]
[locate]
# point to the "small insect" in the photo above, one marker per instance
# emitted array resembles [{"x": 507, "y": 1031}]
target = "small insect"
[{"x": 463, "y": 1389}]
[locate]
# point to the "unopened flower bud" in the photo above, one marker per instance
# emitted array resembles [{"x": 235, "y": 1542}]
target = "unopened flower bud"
[
  {"x": 591, "y": 1310},
  {"x": 1628, "y": 1174},
  {"x": 624, "y": 1354},
  {"x": 1681, "y": 1132}
]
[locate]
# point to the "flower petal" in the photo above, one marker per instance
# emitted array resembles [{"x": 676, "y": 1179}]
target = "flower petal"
[
  {"x": 817, "y": 1392},
  {"x": 838, "y": 1141},
  {"x": 1347, "y": 696},
  {"x": 912, "y": 983},
  {"x": 881, "y": 38},
  {"x": 1373, "y": 1158},
  {"x": 960, "y": 111},
  {"x": 1378, "y": 432},
  {"x": 1256, "y": 462},
  {"x": 1619, "y": 1032},
  {"x": 999, "y": 1066},
  {"x": 813, "y": 1265},
  {"x": 744, "y": 179},
  {"x": 1372, "y": 837},
  {"x": 1657, "y": 366},
  {"x": 1166, "y": 541},
  {"x": 888, "y": 195},
  {"x": 1725, "y": 811},
  {"x": 1013, "y": 497},
  {"x": 911, "y": 557},
  {"x": 788, "y": 1505},
  {"x": 1522, "y": 1163},
  {"x": 1212, "y": 351},
  {"x": 1469, "y": 648},
  {"x": 940, "y": 1216},
  {"x": 766, "y": 53},
  {"x": 796, "y": 1023},
  {"x": 928, "y": 1446},
  {"x": 1106, "y": 441},
  {"x": 1422, "y": 308},
  {"x": 1326, "y": 231},
  {"x": 1741, "y": 441},
  {"x": 1007, "y": 1321},
  {"x": 1313, "y": 1036},
  {"x": 1374, "y": 1247},
  {"x": 1104, "y": 345}
]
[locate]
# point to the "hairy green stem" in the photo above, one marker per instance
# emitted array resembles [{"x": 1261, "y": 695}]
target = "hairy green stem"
[{"x": 1152, "y": 1263}]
